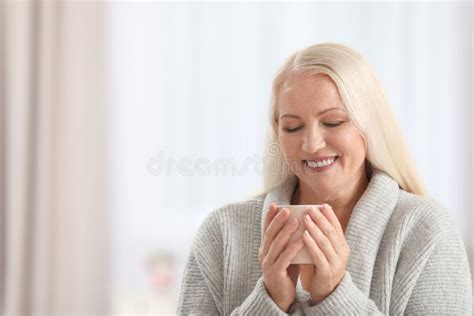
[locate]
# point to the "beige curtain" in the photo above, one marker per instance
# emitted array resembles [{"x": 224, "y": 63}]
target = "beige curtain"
[
  {"x": 52, "y": 159},
  {"x": 471, "y": 240}
]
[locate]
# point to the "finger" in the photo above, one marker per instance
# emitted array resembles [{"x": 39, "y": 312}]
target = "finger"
[
  {"x": 341, "y": 245},
  {"x": 321, "y": 240},
  {"x": 329, "y": 231},
  {"x": 319, "y": 259},
  {"x": 285, "y": 258},
  {"x": 272, "y": 212},
  {"x": 328, "y": 212},
  {"x": 281, "y": 240},
  {"x": 273, "y": 229}
]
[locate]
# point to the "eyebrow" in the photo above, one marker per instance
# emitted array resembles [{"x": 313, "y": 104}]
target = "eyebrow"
[{"x": 320, "y": 113}]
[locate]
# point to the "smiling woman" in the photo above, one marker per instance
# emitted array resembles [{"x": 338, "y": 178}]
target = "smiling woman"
[{"x": 378, "y": 245}]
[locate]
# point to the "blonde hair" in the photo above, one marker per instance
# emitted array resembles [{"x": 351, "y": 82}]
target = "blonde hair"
[{"x": 366, "y": 104}]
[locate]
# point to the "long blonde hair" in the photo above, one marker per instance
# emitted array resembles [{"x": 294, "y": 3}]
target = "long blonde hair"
[{"x": 366, "y": 104}]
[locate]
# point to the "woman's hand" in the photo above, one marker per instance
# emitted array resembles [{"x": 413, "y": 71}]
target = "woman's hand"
[
  {"x": 275, "y": 256},
  {"x": 325, "y": 241}
]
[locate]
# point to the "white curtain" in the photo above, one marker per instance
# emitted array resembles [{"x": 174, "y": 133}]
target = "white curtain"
[{"x": 52, "y": 202}]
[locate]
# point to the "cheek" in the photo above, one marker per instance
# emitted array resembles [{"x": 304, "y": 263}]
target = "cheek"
[
  {"x": 288, "y": 145},
  {"x": 351, "y": 143}
]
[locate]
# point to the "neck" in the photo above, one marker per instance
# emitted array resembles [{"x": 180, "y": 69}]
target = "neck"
[{"x": 342, "y": 201}]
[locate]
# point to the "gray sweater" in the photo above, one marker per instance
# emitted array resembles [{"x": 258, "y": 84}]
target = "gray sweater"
[{"x": 407, "y": 257}]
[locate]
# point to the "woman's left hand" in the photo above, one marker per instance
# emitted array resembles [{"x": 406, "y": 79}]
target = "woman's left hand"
[{"x": 328, "y": 248}]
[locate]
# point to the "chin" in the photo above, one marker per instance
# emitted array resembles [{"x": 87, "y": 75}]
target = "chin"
[{"x": 320, "y": 185}]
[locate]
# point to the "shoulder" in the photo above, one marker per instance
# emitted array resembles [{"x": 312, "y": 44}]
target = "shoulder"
[
  {"x": 421, "y": 221},
  {"x": 422, "y": 210},
  {"x": 233, "y": 214}
]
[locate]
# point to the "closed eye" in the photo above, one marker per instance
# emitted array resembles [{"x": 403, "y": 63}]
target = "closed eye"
[
  {"x": 292, "y": 130},
  {"x": 329, "y": 124},
  {"x": 334, "y": 124}
]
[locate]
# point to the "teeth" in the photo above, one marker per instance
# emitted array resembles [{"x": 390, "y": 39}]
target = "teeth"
[{"x": 314, "y": 164}]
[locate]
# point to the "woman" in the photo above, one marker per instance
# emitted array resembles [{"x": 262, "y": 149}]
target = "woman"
[{"x": 379, "y": 245}]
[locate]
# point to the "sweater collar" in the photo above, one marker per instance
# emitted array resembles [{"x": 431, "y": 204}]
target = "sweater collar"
[{"x": 366, "y": 225}]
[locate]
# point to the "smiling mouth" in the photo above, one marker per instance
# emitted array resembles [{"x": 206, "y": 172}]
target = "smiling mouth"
[{"x": 319, "y": 166}]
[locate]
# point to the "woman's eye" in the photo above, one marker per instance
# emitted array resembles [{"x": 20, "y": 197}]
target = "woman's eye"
[
  {"x": 292, "y": 129},
  {"x": 333, "y": 124},
  {"x": 328, "y": 124}
]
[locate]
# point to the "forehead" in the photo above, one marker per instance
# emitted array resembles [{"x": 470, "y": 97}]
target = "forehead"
[{"x": 309, "y": 92}]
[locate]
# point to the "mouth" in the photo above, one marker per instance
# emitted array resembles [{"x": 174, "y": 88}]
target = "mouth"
[{"x": 313, "y": 166}]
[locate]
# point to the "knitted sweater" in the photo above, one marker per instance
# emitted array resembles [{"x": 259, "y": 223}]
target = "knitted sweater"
[{"x": 407, "y": 257}]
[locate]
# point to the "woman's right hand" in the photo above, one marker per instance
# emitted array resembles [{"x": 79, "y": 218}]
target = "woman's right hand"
[{"x": 275, "y": 256}]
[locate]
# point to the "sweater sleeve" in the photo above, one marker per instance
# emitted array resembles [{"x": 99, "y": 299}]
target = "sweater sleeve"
[
  {"x": 259, "y": 302},
  {"x": 202, "y": 284},
  {"x": 203, "y": 279},
  {"x": 195, "y": 296},
  {"x": 346, "y": 298},
  {"x": 198, "y": 296}
]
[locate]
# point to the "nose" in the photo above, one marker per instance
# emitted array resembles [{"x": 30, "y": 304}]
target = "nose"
[{"x": 313, "y": 140}]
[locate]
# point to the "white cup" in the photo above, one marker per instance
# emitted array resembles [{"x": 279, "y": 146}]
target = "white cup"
[{"x": 299, "y": 212}]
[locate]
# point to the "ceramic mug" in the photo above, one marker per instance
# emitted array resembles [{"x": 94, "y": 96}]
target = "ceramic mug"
[{"x": 299, "y": 212}]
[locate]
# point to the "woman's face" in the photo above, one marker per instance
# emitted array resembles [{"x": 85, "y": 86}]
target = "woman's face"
[{"x": 313, "y": 128}]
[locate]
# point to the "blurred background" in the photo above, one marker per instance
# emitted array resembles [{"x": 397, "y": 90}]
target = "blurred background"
[{"x": 123, "y": 124}]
